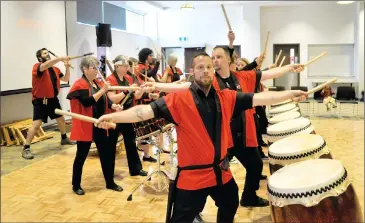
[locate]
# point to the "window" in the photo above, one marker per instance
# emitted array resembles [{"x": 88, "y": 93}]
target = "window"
[
  {"x": 114, "y": 15},
  {"x": 94, "y": 12}
]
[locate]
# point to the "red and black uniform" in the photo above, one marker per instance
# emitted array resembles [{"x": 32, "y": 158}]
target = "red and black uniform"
[
  {"x": 127, "y": 130},
  {"x": 82, "y": 102},
  {"x": 203, "y": 132},
  {"x": 45, "y": 85},
  {"x": 173, "y": 75},
  {"x": 243, "y": 130},
  {"x": 151, "y": 71}
]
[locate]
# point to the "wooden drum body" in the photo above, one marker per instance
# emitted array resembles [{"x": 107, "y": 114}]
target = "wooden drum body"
[
  {"x": 287, "y": 128},
  {"x": 313, "y": 191},
  {"x": 297, "y": 148}
]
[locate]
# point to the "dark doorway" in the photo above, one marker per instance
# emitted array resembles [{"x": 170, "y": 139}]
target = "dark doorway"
[
  {"x": 287, "y": 81},
  {"x": 189, "y": 53}
]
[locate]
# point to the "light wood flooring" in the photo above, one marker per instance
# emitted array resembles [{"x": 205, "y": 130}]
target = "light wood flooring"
[{"x": 41, "y": 192}]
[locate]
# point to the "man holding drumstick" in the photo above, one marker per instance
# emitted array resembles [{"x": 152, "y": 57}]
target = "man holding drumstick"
[
  {"x": 46, "y": 86},
  {"x": 202, "y": 117}
]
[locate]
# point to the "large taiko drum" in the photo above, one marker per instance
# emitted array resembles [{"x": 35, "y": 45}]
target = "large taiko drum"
[
  {"x": 287, "y": 128},
  {"x": 284, "y": 116},
  {"x": 282, "y": 109},
  {"x": 297, "y": 148},
  {"x": 313, "y": 191}
]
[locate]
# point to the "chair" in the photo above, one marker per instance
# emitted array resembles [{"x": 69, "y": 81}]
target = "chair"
[
  {"x": 347, "y": 95},
  {"x": 303, "y": 88}
]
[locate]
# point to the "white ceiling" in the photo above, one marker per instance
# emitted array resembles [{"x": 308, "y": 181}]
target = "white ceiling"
[{"x": 144, "y": 7}]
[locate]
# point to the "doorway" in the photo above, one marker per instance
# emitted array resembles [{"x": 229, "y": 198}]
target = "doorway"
[
  {"x": 289, "y": 80},
  {"x": 189, "y": 53}
]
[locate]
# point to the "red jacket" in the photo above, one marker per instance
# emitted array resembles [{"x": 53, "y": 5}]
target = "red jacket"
[
  {"x": 81, "y": 130},
  {"x": 195, "y": 145},
  {"x": 247, "y": 80},
  {"x": 114, "y": 82},
  {"x": 42, "y": 85}
]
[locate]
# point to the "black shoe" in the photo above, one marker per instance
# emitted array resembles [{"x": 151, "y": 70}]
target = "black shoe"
[
  {"x": 263, "y": 177},
  {"x": 78, "y": 190},
  {"x": 264, "y": 144},
  {"x": 149, "y": 159},
  {"x": 140, "y": 173},
  {"x": 256, "y": 202},
  {"x": 115, "y": 187}
]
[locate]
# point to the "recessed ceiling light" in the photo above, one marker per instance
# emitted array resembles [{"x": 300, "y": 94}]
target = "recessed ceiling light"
[{"x": 345, "y": 2}]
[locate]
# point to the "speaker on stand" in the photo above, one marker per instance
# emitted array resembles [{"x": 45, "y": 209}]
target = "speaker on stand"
[{"x": 103, "y": 41}]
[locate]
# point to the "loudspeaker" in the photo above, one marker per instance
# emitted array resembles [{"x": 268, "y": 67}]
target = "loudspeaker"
[{"x": 103, "y": 35}]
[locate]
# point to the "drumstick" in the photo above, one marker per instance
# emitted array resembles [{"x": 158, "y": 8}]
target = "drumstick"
[
  {"x": 320, "y": 87},
  {"x": 282, "y": 61},
  {"x": 84, "y": 55},
  {"x": 109, "y": 65},
  {"x": 316, "y": 58},
  {"x": 225, "y": 15},
  {"x": 163, "y": 57},
  {"x": 57, "y": 57},
  {"x": 123, "y": 88},
  {"x": 277, "y": 58},
  {"x": 81, "y": 117},
  {"x": 267, "y": 40},
  {"x": 126, "y": 97}
]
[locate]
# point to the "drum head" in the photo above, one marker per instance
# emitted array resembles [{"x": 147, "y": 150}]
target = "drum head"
[
  {"x": 284, "y": 116},
  {"x": 307, "y": 182},
  {"x": 284, "y": 108},
  {"x": 296, "y": 148},
  {"x": 290, "y": 127}
]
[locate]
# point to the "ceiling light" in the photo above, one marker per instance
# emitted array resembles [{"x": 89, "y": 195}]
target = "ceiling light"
[
  {"x": 345, "y": 2},
  {"x": 187, "y": 7}
]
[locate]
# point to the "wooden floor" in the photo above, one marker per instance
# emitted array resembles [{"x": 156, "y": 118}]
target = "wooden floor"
[{"x": 41, "y": 192}]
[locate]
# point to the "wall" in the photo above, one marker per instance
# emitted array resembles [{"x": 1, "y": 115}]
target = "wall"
[
  {"x": 80, "y": 39},
  {"x": 307, "y": 24},
  {"x": 207, "y": 26},
  {"x": 360, "y": 36},
  {"x": 32, "y": 35}
]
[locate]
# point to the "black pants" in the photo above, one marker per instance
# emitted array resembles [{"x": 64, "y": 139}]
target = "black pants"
[
  {"x": 106, "y": 156},
  {"x": 262, "y": 119},
  {"x": 259, "y": 133},
  {"x": 188, "y": 203},
  {"x": 250, "y": 158},
  {"x": 129, "y": 136}
]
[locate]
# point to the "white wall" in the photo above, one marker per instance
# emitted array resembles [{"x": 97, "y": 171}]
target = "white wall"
[
  {"x": 27, "y": 24},
  {"x": 360, "y": 55},
  {"x": 323, "y": 23},
  {"x": 207, "y": 26},
  {"x": 80, "y": 39}
]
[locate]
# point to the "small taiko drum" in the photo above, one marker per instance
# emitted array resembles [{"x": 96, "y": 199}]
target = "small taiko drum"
[
  {"x": 313, "y": 191},
  {"x": 287, "y": 128},
  {"x": 289, "y": 101},
  {"x": 284, "y": 108},
  {"x": 284, "y": 116},
  {"x": 148, "y": 128},
  {"x": 297, "y": 148}
]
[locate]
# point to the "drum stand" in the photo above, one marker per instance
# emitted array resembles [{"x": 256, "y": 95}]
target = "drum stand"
[{"x": 162, "y": 181}]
